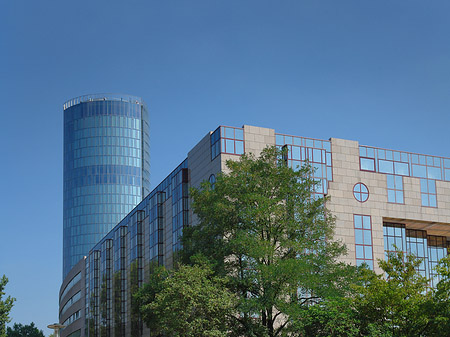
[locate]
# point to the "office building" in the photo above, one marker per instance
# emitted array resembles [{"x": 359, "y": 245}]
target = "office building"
[
  {"x": 106, "y": 168},
  {"x": 379, "y": 197}
]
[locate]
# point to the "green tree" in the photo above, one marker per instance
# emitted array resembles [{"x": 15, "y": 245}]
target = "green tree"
[
  {"x": 263, "y": 227},
  {"x": 394, "y": 304},
  {"x": 439, "y": 305},
  {"x": 28, "y": 330},
  {"x": 5, "y": 306},
  {"x": 186, "y": 302},
  {"x": 332, "y": 317}
]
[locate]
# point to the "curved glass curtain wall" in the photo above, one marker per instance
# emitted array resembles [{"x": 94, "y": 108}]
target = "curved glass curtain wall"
[{"x": 106, "y": 168}]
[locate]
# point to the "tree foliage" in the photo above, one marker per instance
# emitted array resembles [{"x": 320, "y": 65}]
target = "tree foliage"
[
  {"x": 5, "y": 306},
  {"x": 439, "y": 305},
  {"x": 395, "y": 302},
  {"x": 263, "y": 228},
  {"x": 186, "y": 302},
  {"x": 27, "y": 330}
]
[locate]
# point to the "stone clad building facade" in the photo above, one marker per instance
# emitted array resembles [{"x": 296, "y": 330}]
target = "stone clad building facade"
[{"x": 380, "y": 198}]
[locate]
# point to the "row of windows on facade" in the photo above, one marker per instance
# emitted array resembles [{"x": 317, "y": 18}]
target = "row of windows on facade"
[
  {"x": 73, "y": 135},
  {"x": 395, "y": 191},
  {"x": 430, "y": 249},
  {"x": 102, "y": 121},
  {"x": 102, "y": 189},
  {"x": 102, "y": 108},
  {"x": 282, "y": 140},
  {"x": 103, "y": 160},
  {"x": 71, "y": 284},
  {"x": 80, "y": 234},
  {"x": 404, "y": 163},
  {"x": 70, "y": 302},
  {"x": 78, "y": 251},
  {"x": 96, "y": 219},
  {"x": 103, "y": 141},
  {"x": 72, "y": 318},
  {"x": 98, "y": 209},
  {"x": 105, "y": 169},
  {"x": 105, "y": 199},
  {"x": 103, "y": 151},
  {"x": 102, "y": 179}
]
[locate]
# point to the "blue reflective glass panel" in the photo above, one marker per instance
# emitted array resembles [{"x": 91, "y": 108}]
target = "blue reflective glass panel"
[
  {"x": 401, "y": 168},
  {"x": 367, "y": 164},
  {"x": 434, "y": 173},
  {"x": 239, "y": 147},
  {"x": 419, "y": 171},
  {"x": 368, "y": 252},
  {"x": 385, "y": 166},
  {"x": 239, "y": 134},
  {"x": 229, "y": 132},
  {"x": 229, "y": 146}
]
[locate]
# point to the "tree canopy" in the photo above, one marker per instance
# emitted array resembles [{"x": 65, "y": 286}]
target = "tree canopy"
[
  {"x": 263, "y": 227},
  {"x": 27, "y": 330},
  {"x": 5, "y": 306},
  {"x": 189, "y": 301}
]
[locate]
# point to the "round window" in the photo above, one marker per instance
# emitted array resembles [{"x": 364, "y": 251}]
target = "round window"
[{"x": 361, "y": 192}]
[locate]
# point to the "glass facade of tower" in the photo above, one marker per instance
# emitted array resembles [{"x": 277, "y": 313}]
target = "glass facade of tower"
[{"x": 106, "y": 168}]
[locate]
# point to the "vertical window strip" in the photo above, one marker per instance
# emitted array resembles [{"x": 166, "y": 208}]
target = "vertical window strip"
[
  {"x": 437, "y": 249},
  {"x": 215, "y": 143},
  {"x": 428, "y": 192},
  {"x": 363, "y": 240},
  {"x": 416, "y": 244},
  {"x": 395, "y": 189}
]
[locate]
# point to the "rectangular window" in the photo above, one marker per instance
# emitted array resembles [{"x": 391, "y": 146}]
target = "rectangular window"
[
  {"x": 428, "y": 192},
  {"x": 394, "y": 237},
  {"x": 363, "y": 240},
  {"x": 395, "y": 188},
  {"x": 416, "y": 244},
  {"x": 232, "y": 140},
  {"x": 385, "y": 166},
  {"x": 215, "y": 143},
  {"x": 367, "y": 164},
  {"x": 437, "y": 249}
]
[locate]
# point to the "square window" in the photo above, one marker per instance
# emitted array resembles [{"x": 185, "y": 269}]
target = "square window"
[
  {"x": 239, "y": 147},
  {"x": 239, "y": 134}
]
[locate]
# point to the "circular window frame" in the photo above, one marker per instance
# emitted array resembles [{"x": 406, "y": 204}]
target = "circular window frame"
[{"x": 363, "y": 196}]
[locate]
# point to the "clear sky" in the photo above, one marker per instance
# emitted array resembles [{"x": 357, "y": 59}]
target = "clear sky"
[{"x": 373, "y": 71}]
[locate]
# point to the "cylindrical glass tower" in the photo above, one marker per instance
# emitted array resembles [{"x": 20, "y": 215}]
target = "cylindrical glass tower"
[{"x": 106, "y": 167}]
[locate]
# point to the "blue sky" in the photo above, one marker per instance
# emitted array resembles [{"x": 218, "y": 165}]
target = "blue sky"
[{"x": 373, "y": 71}]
